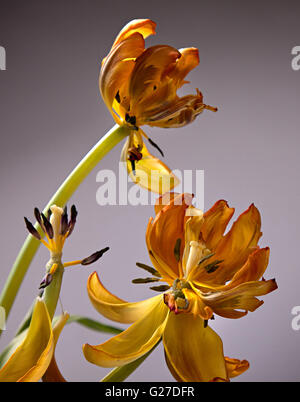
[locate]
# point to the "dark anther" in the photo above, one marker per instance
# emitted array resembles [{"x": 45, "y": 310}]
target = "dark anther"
[
  {"x": 205, "y": 323},
  {"x": 134, "y": 155},
  {"x": 148, "y": 269},
  {"x": 31, "y": 229},
  {"x": 72, "y": 220},
  {"x": 94, "y": 257},
  {"x": 154, "y": 88},
  {"x": 206, "y": 258},
  {"x": 161, "y": 288},
  {"x": 46, "y": 281},
  {"x": 117, "y": 97},
  {"x": 156, "y": 146},
  {"x": 48, "y": 227},
  {"x": 37, "y": 216},
  {"x": 177, "y": 249},
  {"x": 212, "y": 267},
  {"x": 64, "y": 222},
  {"x": 49, "y": 213},
  {"x": 145, "y": 280}
]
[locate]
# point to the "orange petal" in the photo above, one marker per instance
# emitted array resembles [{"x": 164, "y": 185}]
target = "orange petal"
[
  {"x": 241, "y": 297},
  {"x": 132, "y": 343},
  {"x": 195, "y": 353},
  {"x": 252, "y": 270},
  {"x": 178, "y": 112},
  {"x": 215, "y": 223},
  {"x": 235, "y": 247},
  {"x": 167, "y": 229},
  {"x": 111, "y": 306},
  {"x": 145, "y": 27},
  {"x": 188, "y": 61},
  {"x": 236, "y": 367},
  {"x": 116, "y": 70},
  {"x": 147, "y": 87}
]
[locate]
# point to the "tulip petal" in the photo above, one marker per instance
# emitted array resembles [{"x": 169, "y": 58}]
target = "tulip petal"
[
  {"x": 132, "y": 343},
  {"x": 241, "y": 297},
  {"x": 148, "y": 85},
  {"x": 116, "y": 70},
  {"x": 114, "y": 308},
  {"x": 215, "y": 223},
  {"x": 252, "y": 270},
  {"x": 236, "y": 367},
  {"x": 188, "y": 61},
  {"x": 234, "y": 248},
  {"x": 145, "y": 27},
  {"x": 53, "y": 373},
  {"x": 150, "y": 172},
  {"x": 194, "y": 352},
  {"x": 166, "y": 230},
  {"x": 31, "y": 359}
]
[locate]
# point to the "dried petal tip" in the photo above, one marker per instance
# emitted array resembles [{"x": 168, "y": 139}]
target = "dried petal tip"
[
  {"x": 94, "y": 257},
  {"x": 31, "y": 229},
  {"x": 46, "y": 281}
]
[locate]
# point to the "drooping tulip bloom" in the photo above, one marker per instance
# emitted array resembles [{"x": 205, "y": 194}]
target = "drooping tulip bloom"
[
  {"x": 139, "y": 86},
  {"x": 206, "y": 273}
]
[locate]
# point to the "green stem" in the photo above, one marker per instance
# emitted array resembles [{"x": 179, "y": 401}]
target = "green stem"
[
  {"x": 63, "y": 194},
  {"x": 52, "y": 292},
  {"x": 119, "y": 374}
]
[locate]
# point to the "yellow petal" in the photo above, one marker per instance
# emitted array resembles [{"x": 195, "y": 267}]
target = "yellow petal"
[
  {"x": 114, "y": 308},
  {"x": 31, "y": 359},
  {"x": 134, "y": 342},
  {"x": 53, "y": 373},
  {"x": 236, "y": 367},
  {"x": 150, "y": 172},
  {"x": 194, "y": 352},
  {"x": 145, "y": 27}
]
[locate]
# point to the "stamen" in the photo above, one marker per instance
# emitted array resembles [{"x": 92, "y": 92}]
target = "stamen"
[
  {"x": 145, "y": 280},
  {"x": 32, "y": 230},
  {"x": 212, "y": 267},
  {"x": 48, "y": 227},
  {"x": 206, "y": 258},
  {"x": 156, "y": 146},
  {"x": 37, "y": 215},
  {"x": 71, "y": 263},
  {"x": 46, "y": 281},
  {"x": 53, "y": 269},
  {"x": 72, "y": 222},
  {"x": 94, "y": 257},
  {"x": 64, "y": 223},
  {"x": 148, "y": 269},
  {"x": 161, "y": 288},
  {"x": 177, "y": 250}
]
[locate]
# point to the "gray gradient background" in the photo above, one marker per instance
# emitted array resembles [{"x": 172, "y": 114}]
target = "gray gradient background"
[{"x": 51, "y": 114}]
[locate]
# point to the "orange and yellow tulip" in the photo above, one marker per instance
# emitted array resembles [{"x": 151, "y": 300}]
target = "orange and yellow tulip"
[
  {"x": 206, "y": 273},
  {"x": 139, "y": 86}
]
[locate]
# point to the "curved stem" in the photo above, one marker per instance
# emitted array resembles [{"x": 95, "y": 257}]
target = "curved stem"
[{"x": 63, "y": 194}]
